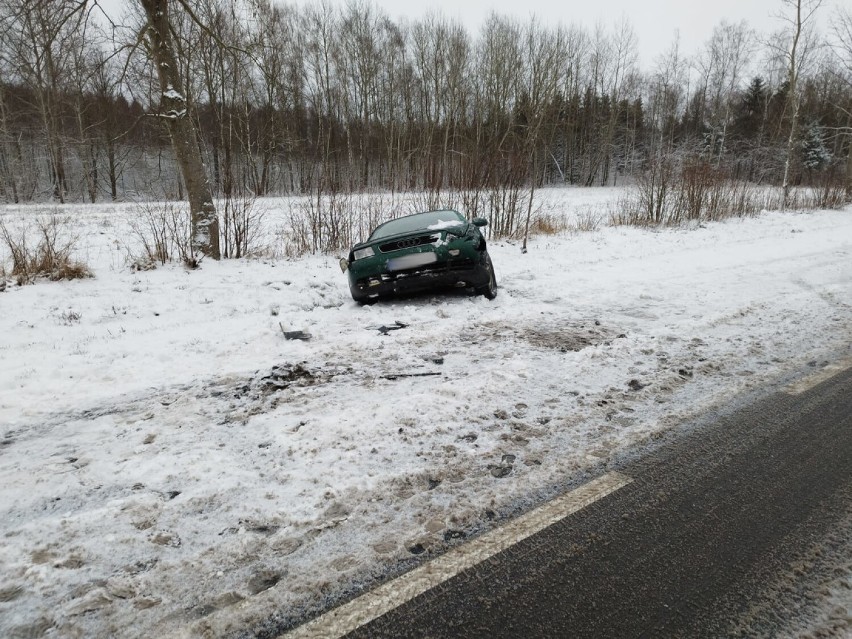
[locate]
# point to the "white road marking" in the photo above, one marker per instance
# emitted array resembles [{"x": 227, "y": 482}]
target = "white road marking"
[
  {"x": 807, "y": 383},
  {"x": 374, "y": 604}
]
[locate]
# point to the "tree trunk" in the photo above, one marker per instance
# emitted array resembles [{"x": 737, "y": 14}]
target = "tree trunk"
[
  {"x": 849, "y": 160},
  {"x": 792, "y": 78},
  {"x": 112, "y": 168},
  {"x": 849, "y": 172},
  {"x": 174, "y": 110}
]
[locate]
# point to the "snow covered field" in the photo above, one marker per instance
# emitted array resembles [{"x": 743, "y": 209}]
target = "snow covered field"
[{"x": 170, "y": 462}]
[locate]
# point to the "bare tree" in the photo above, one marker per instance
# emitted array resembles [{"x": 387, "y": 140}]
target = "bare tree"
[
  {"x": 38, "y": 41},
  {"x": 723, "y": 63},
  {"x": 441, "y": 59},
  {"x": 544, "y": 59},
  {"x": 175, "y": 110},
  {"x": 318, "y": 33},
  {"x": 622, "y": 59},
  {"x": 798, "y": 15},
  {"x": 666, "y": 97},
  {"x": 106, "y": 98},
  {"x": 8, "y": 173},
  {"x": 323, "y": 98},
  {"x": 842, "y": 47}
]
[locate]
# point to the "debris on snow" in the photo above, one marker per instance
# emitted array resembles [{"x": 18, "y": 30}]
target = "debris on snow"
[
  {"x": 384, "y": 330},
  {"x": 395, "y": 376},
  {"x": 295, "y": 335}
]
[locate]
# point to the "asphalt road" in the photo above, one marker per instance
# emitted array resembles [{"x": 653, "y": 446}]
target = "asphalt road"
[{"x": 726, "y": 531}]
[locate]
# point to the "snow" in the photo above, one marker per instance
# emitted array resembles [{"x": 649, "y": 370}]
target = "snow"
[
  {"x": 440, "y": 225},
  {"x": 173, "y": 114},
  {"x": 172, "y": 94},
  {"x": 170, "y": 463}
]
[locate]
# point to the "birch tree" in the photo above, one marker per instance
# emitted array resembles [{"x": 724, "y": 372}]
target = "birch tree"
[
  {"x": 798, "y": 15},
  {"x": 842, "y": 47},
  {"x": 724, "y": 61}
]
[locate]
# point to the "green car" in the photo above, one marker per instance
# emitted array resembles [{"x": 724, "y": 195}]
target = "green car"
[{"x": 421, "y": 252}]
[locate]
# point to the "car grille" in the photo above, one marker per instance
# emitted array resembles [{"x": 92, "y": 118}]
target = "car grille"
[
  {"x": 430, "y": 269},
  {"x": 408, "y": 242},
  {"x": 442, "y": 267}
]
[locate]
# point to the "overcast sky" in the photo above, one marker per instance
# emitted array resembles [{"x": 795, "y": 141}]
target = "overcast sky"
[{"x": 655, "y": 21}]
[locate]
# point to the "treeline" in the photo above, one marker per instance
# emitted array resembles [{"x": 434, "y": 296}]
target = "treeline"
[{"x": 323, "y": 99}]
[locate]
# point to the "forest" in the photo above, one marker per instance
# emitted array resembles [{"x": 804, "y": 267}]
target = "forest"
[{"x": 323, "y": 98}]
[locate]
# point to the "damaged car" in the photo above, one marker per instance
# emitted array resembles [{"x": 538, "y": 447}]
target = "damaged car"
[{"x": 421, "y": 252}]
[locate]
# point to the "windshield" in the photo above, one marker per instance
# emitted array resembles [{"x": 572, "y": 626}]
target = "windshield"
[{"x": 431, "y": 221}]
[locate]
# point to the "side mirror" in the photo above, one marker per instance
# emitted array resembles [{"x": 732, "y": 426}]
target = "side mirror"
[
  {"x": 344, "y": 264},
  {"x": 479, "y": 221}
]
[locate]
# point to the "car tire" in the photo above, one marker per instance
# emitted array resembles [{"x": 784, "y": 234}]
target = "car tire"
[
  {"x": 363, "y": 299},
  {"x": 489, "y": 291}
]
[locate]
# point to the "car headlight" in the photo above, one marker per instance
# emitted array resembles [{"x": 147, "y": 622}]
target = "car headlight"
[{"x": 364, "y": 252}]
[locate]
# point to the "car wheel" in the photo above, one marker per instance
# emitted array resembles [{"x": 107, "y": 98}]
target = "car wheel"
[
  {"x": 490, "y": 289},
  {"x": 363, "y": 300}
]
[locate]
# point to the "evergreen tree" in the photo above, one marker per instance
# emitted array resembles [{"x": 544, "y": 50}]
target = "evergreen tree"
[
  {"x": 815, "y": 156},
  {"x": 751, "y": 109}
]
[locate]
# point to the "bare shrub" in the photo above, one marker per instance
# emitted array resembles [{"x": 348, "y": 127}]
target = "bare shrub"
[
  {"x": 767, "y": 199},
  {"x": 437, "y": 200},
  {"x": 49, "y": 255},
  {"x": 19, "y": 252},
  {"x": 625, "y": 210},
  {"x": 829, "y": 194},
  {"x": 587, "y": 222},
  {"x": 70, "y": 317},
  {"x": 295, "y": 238},
  {"x": 150, "y": 227},
  {"x": 333, "y": 222},
  {"x": 695, "y": 192},
  {"x": 373, "y": 210},
  {"x": 654, "y": 190},
  {"x": 728, "y": 198},
  {"x": 473, "y": 201},
  {"x": 242, "y": 226},
  {"x": 321, "y": 223},
  {"x": 163, "y": 233},
  {"x": 507, "y": 205},
  {"x": 671, "y": 192}
]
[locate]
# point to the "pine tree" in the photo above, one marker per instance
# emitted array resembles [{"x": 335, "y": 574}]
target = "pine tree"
[
  {"x": 815, "y": 156},
  {"x": 751, "y": 109}
]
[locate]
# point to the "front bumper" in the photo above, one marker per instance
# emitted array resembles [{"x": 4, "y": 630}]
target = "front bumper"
[{"x": 460, "y": 273}]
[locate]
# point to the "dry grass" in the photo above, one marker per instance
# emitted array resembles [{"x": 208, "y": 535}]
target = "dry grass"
[
  {"x": 545, "y": 224},
  {"x": 586, "y": 223},
  {"x": 69, "y": 317},
  {"x": 43, "y": 252}
]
